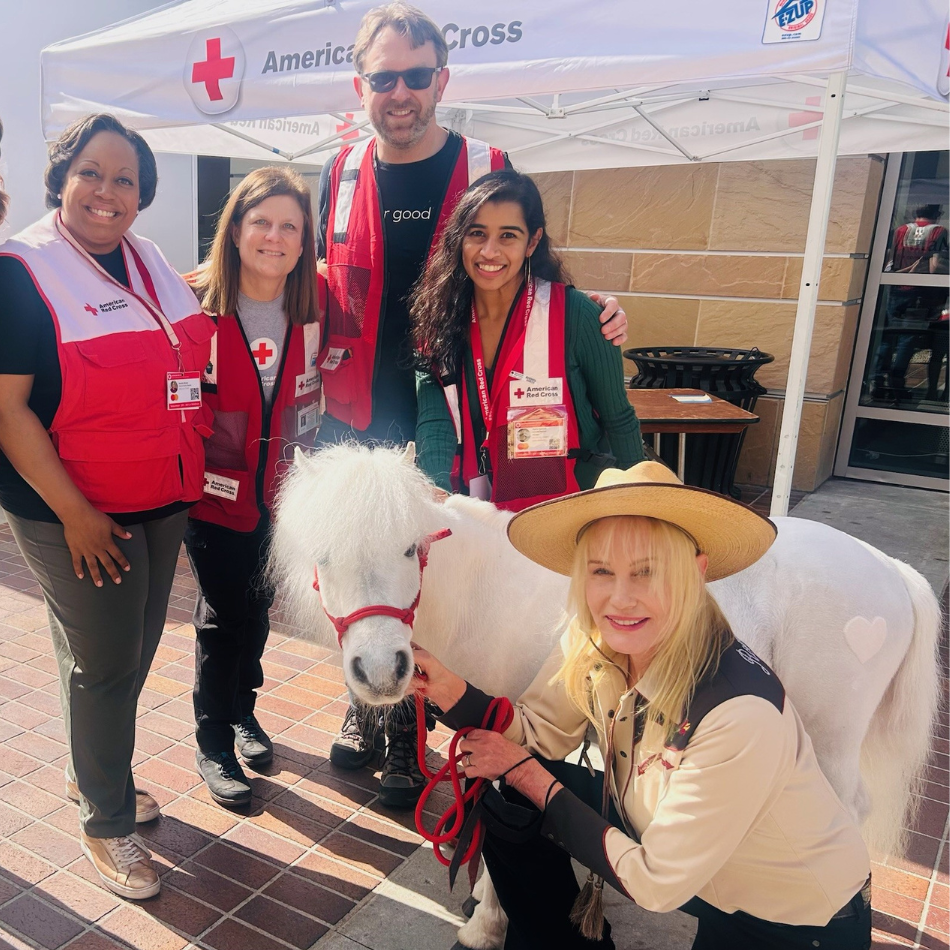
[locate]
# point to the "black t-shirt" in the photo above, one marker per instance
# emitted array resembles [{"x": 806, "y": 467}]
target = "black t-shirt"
[
  {"x": 29, "y": 349},
  {"x": 411, "y": 196}
]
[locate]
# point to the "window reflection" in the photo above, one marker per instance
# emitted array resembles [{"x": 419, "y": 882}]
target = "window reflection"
[
  {"x": 907, "y": 359},
  {"x": 924, "y": 181}
]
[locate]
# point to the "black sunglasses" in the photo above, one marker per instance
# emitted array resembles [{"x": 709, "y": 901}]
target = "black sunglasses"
[{"x": 419, "y": 77}]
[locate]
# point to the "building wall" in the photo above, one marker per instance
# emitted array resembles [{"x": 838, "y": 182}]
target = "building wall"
[{"x": 711, "y": 255}]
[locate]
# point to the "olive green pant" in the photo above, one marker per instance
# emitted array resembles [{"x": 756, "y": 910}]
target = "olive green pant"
[{"x": 104, "y": 639}]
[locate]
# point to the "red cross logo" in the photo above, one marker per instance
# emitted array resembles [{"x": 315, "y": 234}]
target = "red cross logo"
[
  {"x": 89, "y": 308},
  {"x": 263, "y": 353},
  {"x": 213, "y": 69},
  {"x": 519, "y": 392},
  {"x": 347, "y": 123},
  {"x": 804, "y": 118},
  {"x": 302, "y": 385}
]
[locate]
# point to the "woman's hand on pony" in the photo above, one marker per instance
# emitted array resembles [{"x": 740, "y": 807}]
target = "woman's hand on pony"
[{"x": 435, "y": 681}]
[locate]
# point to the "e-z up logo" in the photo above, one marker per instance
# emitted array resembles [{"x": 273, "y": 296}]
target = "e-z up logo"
[{"x": 793, "y": 20}]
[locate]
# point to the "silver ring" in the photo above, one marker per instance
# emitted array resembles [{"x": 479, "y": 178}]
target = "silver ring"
[{"x": 467, "y": 761}]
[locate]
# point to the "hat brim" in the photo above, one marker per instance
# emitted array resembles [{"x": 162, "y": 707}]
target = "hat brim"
[{"x": 730, "y": 534}]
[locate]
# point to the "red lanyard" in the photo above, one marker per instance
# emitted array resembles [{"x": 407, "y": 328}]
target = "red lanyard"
[{"x": 478, "y": 356}]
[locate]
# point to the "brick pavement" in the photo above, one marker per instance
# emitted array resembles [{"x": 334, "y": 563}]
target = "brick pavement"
[{"x": 312, "y": 846}]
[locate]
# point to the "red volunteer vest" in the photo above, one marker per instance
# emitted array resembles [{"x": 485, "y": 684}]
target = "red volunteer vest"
[
  {"x": 251, "y": 447},
  {"x": 534, "y": 347},
  {"x": 356, "y": 270},
  {"x": 124, "y": 449}
]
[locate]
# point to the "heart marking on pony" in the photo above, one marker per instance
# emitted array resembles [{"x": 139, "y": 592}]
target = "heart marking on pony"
[{"x": 865, "y": 637}]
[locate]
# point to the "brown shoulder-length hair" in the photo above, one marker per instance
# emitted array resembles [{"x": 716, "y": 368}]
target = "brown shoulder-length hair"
[
  {"x": 219, "y": 277},
  {"x": 441, "y": 300}
]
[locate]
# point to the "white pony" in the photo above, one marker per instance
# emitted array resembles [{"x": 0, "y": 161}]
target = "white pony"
[{"x": 851, "y": 632}]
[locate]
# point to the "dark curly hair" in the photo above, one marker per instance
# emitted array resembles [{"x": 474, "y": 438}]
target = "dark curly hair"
[
  {"x": 442, "y": 297},
  {"x": 74, "y": 140}
]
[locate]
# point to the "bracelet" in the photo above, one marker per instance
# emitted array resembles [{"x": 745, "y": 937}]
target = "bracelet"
[
  {"x": 527, "y": 758},
  {"x": 547, "y": 795}
]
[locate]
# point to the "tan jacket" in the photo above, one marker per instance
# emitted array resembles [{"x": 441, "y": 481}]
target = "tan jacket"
[{"x": 742, "y": 817}]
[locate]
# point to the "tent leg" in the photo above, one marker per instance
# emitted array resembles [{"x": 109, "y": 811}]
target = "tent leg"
[{"x": 808, "y": 292}]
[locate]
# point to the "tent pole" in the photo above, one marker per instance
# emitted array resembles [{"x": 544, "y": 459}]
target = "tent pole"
[{"x": 808, "y": 291}]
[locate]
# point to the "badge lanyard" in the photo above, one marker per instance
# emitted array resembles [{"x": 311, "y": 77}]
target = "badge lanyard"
[
  {"x": 478, "y": 357},
  {"x": 151, "y": 307}
]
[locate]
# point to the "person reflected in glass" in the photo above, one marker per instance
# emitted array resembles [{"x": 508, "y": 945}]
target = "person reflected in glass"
[{"x": 919, "y": 247}]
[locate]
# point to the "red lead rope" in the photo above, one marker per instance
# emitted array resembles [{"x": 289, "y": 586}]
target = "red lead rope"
[{"x": 497, "y": 718}]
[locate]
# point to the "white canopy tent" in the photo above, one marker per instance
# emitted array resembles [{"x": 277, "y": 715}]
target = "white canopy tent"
[{"x": 557, "y": 85}]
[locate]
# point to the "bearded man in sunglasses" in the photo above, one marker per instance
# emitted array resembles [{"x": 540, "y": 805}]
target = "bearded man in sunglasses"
[{"x": 381, "y": 206}]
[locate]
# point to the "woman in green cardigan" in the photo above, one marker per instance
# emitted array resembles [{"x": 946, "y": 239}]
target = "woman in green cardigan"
[{"x": 520, "y": 397}]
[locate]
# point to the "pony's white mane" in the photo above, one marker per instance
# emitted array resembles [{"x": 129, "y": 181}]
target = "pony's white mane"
[{"x": 343, "y": 501}]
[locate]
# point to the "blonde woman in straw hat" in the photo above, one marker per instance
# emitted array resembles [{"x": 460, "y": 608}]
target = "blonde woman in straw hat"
[{"x": 714, "y": 802}]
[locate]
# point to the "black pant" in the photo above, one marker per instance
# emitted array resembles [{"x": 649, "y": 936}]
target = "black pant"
[
  {"x": 231, "y": 626},
  {"x": 536, "y": 887},
  {"x": 720, "y": 931},
  {"x": 534, "y": 880}
]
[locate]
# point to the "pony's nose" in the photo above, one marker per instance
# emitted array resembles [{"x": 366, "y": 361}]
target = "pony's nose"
[
  {"x": 403, "y": 661},
  {"x": 358, "y": 671}
]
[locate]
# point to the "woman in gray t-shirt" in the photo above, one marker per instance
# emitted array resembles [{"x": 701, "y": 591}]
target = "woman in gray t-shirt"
[{"x": 263, "y": 386}]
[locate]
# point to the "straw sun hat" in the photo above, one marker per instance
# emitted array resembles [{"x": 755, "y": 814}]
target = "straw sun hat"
[{"x": 732, "y": 535}]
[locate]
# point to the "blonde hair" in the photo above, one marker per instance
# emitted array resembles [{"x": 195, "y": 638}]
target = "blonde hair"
[
  {"x": 217, "y": 280},
  {"x": 691, "y": 640}
]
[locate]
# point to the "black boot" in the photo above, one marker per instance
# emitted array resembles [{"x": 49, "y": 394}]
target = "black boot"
[
  {"x": 360, "y": 736},
  {"x": 401, "y": 782}
]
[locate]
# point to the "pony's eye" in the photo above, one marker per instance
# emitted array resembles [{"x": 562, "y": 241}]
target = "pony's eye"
[{"x": 411, "y": 550}]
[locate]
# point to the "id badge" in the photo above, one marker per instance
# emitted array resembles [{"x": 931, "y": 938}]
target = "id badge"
[
  {"x": 480, "y": 487},
  {"x": 308, "y": 418},
  {"x": 537, "y": 433},
  {"x": 183, "y": 390}
]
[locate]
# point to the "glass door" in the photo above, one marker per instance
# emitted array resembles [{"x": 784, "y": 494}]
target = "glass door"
[{"x": 895, "y": 425}]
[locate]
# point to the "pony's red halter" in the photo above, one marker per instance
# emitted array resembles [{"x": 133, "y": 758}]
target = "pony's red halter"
[{"x": 407, "y": 615}]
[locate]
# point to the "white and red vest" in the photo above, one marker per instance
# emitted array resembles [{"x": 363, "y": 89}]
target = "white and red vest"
[
  {"x": 253, "y": 445},
  {"x": 534, "y": 347},
  {"x": 356, "y": 271},
  {"x": 124, "y": 449}
]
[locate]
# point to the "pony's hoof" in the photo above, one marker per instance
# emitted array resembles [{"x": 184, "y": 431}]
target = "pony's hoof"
[
  {"x": 473, "y": 936},
  {"x": 468, "y": 907}
]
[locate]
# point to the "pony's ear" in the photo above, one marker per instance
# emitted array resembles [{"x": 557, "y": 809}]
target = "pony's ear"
[
  {"x": 409, "y": 456},
  {"x": 300, "y": 457}
]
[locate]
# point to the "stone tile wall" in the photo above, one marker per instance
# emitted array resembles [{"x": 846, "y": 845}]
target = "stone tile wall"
[{"x": 711, "y": 255}]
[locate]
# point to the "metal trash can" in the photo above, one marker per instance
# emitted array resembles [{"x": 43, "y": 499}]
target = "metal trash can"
[{"x": 711, "y": 459}]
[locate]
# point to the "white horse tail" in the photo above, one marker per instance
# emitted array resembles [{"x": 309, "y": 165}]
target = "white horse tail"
[{"x": 897, "y": 744}]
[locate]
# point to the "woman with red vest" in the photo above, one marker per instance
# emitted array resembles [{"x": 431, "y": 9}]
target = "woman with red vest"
[
  {"x": 264, "y": 389},
  {"x": 101, "y": 455},
  {"x": 521, "y": 398}
]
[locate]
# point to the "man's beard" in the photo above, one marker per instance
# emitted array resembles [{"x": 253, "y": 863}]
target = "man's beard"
[{"x": 406, "y": 137}]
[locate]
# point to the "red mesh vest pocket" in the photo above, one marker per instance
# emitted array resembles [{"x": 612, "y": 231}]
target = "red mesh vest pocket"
[
  {"x": 349, "y": 288},
  {"x": 525, "y": 478}
]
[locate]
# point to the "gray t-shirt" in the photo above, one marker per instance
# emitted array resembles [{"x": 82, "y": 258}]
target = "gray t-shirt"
[{"x": 265, "y": 325}]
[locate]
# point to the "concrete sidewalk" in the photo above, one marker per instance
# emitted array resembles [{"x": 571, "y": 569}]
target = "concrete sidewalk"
[{"x": 316, "y": 861}]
